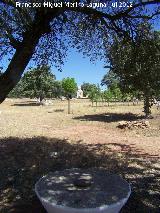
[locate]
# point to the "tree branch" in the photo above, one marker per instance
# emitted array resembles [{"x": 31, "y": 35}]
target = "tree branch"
[
  {"x": 144, "y": 16},
  {"x": 127, "y": 11},
  {"x": 9, "y": 2},
  {"x": 14, "y": 43},
  {"x": 116, "y": 16}
]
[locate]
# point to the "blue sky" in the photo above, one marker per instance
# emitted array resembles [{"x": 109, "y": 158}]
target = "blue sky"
[
  {"x": 76, "y": 66},
  {"x": 81, "y": 69}
]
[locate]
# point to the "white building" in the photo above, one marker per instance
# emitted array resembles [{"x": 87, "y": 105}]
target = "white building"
[{"x": 79, "y": 92}]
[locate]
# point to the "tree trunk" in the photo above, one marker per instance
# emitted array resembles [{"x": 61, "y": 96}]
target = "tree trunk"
[
  {"x": 25, "y": 51},
  {"x": 21, "y": 58},
  {"x": 41, "y": 97},
  {"x": 69, "y": 106},
  {"x": 147, "y": 105}
]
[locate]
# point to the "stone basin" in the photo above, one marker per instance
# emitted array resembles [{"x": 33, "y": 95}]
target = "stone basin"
[{"x": 82, "y": 191}]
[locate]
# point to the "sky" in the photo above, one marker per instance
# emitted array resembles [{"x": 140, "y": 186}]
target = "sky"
[
  {"x": 76, "y": 66},
  {"x": 81, "y": 69}
]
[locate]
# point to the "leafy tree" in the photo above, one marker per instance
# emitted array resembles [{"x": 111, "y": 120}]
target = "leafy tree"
[
  {"x": 108, "y": 96},
  {"x": 95, "y": 94},
  {"x": 57, "y": 90},
  {"x": 43, "y": 33},
  {"x": 119, "y": 93},
  {"x": 137, "y": 64},
  {"x": 70, "y": 87},
  {"x": 18, "y": 91},
  {"x": 37, "y": 82},
  {"x": 87, "y": 88},
  {"x": 110, "y": 80}
]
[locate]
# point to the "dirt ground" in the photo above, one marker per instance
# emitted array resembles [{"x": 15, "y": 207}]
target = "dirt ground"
[{"x": 37, "y": 139}]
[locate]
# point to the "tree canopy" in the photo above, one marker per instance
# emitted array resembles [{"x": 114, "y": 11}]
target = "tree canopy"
[
  {"x": 69, "y": 86},
  {"x": 57, "y": 89},
  {"x": 94, "y": 94},
  {"x": 37, "y": 82},
  {"x": 111, "y": 80},
  {"x": 44, "y": 33},
  {"x": 137, "y": 63},
  {"x": 87, "y": 88}
]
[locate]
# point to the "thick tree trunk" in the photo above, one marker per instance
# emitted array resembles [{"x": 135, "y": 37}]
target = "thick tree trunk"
[
  {"x": 41, "y": 97},
  {"x": 25, "y": 51},
  {"x": 17, "y": 65},
  {"x": 147, "y": 105}
]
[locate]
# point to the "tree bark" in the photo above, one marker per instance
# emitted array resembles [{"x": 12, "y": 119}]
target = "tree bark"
[
  {"x": 21, "y": 58},
  {"x": 24, "y": 51},
  {"x": 41, "y": 97},
  {"x": 147, "y": 105},
  {"x": 69, "y": 106}
]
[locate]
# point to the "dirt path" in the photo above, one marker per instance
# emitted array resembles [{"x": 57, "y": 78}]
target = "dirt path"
[
  {"x": 87, "y": 124},
  {"x": 115, "y": 139}
]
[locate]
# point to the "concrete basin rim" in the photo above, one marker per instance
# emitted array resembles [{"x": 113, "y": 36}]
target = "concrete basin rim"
[{"x": 123, "y": 200}]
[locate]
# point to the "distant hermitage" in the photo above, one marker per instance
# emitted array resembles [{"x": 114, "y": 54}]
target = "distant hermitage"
[{"x": 79, "y": 92}]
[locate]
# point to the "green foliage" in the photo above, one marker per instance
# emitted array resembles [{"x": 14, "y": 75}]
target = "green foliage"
[
  {"x": 69, "y": 86},
  {"x": 116, "y": 91},
  {"x": 113, "y": 85},
  {"x": 117, "y": 94},
  {"x": 108, "y": 95},
  {"x": 57, "y": 89},
  {"x": 137, "y": 63},
  {"x": 87, "y": 88},
  {"x": 111, "y": 80},
  {"x": 18, "y": 91},
  {"x": 85, "y": 28},
  {"x": 95, "y": 94},
  {"x": 45, "y": 36},
  {"x": 37, "y": 82}
]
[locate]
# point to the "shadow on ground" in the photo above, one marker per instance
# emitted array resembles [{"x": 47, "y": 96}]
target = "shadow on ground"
[
  {"x": 59, "y": 110},
  {"x": 110, "y": 117},
  {"x": 27, "y": 103},
  {"x": 24, "y": 161}
]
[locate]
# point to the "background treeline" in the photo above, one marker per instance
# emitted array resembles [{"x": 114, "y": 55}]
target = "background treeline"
[
  {"x": 134, "y": 73},
  {"x": 41, "y": 83}
]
